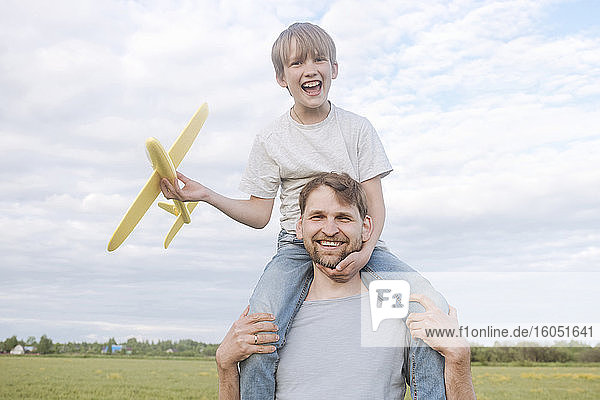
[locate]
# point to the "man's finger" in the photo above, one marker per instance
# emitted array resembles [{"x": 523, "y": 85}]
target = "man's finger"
[
  {"x": 414, "y": 317},
  {"x": 262, "y": 349},
  {"x": 264, "y": 338},
  {"x": 418, "y": 334},
  {"x": 423, "y": 300},
  {"x": 415, "y": 325},
  {"x": 257, "y": 317},
  {"x": 262, "y": 327},
  {"x": 415, "y": 328},
  {"x": 452, "y": 312},
  {"x": 246, "y": 310}
]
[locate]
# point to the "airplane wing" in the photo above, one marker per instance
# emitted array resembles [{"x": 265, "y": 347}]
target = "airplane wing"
[
  {"x": 142, "y": 202},
  {"x": 183, "y": 143},
  {"x": 178, "y": 223}
]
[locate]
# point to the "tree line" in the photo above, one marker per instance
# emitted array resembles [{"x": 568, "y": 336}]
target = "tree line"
[
  {"x": 526, "y": 352},
  {"x": 523, "y": 352},
  {"x": 185, "y": 348}
]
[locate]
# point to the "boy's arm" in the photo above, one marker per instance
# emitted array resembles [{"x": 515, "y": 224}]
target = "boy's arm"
[
  {"x": 254, "y": 212},
  {"x": 354, "y": 262},
  {"x": 376, "y": 208}
]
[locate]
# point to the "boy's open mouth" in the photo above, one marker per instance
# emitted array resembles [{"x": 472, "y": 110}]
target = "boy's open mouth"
[{"x": 312, "y": 88}]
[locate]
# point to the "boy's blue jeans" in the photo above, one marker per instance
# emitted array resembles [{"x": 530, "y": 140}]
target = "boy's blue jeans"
[{"x": 283, "y": 287}]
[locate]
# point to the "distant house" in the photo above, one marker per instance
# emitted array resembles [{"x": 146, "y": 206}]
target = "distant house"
[
  {"x": 18, "y": 350},
  {"x": 116, "y": 348}
]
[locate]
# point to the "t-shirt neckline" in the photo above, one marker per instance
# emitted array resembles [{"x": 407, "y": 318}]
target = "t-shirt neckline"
[{"x": 328, "y": 118}]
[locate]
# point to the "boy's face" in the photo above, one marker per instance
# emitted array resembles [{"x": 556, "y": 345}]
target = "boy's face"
[{"x": 308, "y": 80}]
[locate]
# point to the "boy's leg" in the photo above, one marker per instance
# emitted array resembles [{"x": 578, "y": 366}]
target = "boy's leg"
[
  {"x": 426, "y": 366},
  {"x": 281, "y": 290}
]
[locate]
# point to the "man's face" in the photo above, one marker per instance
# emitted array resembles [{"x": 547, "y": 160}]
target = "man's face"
[
  {"x": 331, "y": 230},
  {"x": 308, "y": 80}
]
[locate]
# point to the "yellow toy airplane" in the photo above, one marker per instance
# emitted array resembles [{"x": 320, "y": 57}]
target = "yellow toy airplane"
[{"x": 164, "y": 165}]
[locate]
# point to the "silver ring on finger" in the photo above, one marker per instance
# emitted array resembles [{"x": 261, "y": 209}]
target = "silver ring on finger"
[{"x": 255, "y": 339}]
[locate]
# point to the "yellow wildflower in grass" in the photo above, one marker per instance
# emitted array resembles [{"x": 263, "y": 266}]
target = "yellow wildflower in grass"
[
  {"x": 532, "y": 375},
  {"x": 586, "y": 376},
  {"x": 114, "y": 375},
  {"x": 591, "y": 377}
]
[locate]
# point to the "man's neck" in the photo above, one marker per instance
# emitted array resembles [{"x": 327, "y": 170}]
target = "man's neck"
[{"x": 324, "y": 288}]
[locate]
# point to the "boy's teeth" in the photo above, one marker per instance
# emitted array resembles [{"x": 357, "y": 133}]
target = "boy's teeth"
[
  {"x": 328, "y": 243},
  {"x": 311, "y": 84}
]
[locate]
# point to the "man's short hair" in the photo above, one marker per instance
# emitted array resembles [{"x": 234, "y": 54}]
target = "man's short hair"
[
  {"x": 309, "y": 38},
  {"x": 347, "y": 190}
]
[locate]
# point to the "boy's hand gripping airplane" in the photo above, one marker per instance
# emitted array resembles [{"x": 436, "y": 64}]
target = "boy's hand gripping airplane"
[{"x": 164, "y": 165}]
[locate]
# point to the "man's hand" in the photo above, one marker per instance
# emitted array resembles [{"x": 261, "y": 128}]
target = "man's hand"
[
  {"x": 456, "y": 350},
  {"x": 349, "y": 266},
  {"x": 191, "y": 191},
  {"x": 434, "y": 319},
  {"x": 243, "y": 339}
]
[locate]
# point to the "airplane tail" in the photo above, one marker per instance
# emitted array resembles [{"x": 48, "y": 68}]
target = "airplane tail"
[
  {"x": 173, "y": 209},
  {"x": 169, "y": 208}
]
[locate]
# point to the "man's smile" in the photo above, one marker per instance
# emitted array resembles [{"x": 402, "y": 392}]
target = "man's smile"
[
  {"x": 327, "y": 245},
  {"x": 330, "y": 244}
]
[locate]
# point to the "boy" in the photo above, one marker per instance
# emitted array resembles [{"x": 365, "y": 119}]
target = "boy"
[{"x": 313, "y": 137}]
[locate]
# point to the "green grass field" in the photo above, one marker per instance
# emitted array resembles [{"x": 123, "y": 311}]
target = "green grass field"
[
  {"x": 559, "y": 382},
  {"x": 121, "y": 378},
  {"x": 106, "y": 378}
]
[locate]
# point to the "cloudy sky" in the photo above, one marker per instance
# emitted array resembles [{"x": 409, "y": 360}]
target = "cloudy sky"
[{"x": 489, "y": 111}]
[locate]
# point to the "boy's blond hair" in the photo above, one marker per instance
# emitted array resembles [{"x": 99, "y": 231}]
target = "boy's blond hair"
[{"x": 309, "y": 38}]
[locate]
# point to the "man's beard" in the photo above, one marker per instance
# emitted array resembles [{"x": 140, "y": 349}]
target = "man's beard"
[{"x": 332, "y": 260}]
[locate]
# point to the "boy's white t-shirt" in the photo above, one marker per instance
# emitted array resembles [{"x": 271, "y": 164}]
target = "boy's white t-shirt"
[{"x": 289, "y": 154}]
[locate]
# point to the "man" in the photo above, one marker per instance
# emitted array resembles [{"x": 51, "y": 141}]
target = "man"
[{"x": 323, "y": 356}]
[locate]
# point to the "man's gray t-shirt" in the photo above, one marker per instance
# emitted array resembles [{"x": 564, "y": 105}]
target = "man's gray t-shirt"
[
  {"x": 323, "y": 357},
  {"x": 289, "y": 154}
]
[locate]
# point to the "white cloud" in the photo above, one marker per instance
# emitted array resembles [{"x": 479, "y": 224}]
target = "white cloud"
[{"x": 488, "y": 115}]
